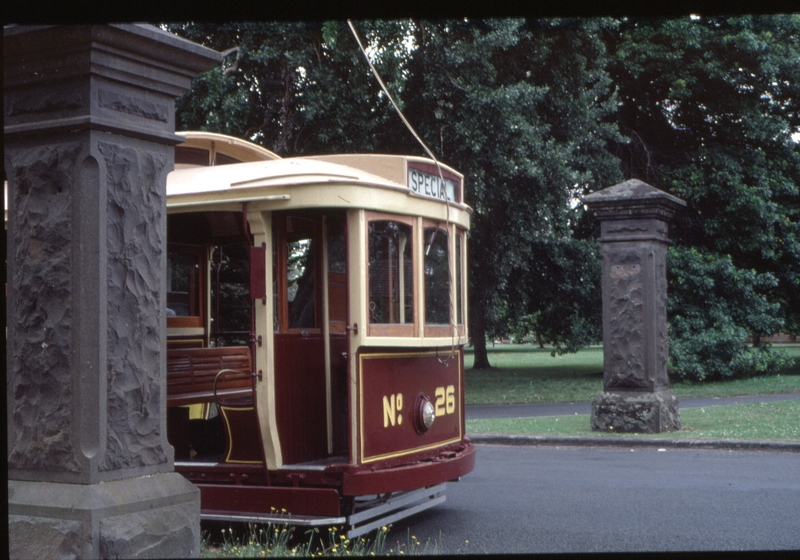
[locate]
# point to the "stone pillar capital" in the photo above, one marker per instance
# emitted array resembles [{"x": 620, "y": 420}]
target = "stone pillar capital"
[
  {"x": 120, "y": 78},
  {"x": 633, "y": 211}
]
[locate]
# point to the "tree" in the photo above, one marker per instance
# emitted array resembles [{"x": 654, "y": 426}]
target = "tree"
[
  {"x": 297, "y": 88},
  {"x": 710, "y": 105},
  {"x": 522, "y": 108}
]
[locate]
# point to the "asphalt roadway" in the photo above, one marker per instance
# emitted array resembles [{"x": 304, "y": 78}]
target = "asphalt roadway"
[
  {"x": 555, "y": 500},
  {"x": 610, "y": 495}
]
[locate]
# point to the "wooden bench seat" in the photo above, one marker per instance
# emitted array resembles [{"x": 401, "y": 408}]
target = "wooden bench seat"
[{"x": 191, "y": 373}]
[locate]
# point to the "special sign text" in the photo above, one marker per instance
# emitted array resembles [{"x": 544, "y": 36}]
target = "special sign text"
[{"x": 431, "y": 186}]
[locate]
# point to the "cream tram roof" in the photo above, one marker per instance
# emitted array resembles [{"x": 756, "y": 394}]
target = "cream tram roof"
[{"x": 266, "y": 181}]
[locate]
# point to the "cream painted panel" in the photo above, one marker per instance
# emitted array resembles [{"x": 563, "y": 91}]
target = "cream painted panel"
[
  {"x": 261, "y": 228},
  {"x": 380, "y": 199},
  {"x": 357, "y": 289}
]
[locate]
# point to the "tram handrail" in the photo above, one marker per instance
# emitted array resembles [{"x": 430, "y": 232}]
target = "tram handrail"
[{"x": 222, "y": 373}]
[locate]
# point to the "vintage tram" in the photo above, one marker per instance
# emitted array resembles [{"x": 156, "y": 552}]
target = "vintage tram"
[{"x": 316, "y": 320}]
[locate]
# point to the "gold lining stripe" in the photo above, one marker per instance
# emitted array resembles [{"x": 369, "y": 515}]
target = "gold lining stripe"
[{"x": 230, "y": 437}]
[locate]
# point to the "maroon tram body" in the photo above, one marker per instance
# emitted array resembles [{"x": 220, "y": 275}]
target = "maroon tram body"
[{"x": 316, "y": 325}]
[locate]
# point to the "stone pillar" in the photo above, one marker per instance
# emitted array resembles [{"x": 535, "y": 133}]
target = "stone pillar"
[
  {"x": 636, "y": 396},
  {"x": 89, "y": 139}
]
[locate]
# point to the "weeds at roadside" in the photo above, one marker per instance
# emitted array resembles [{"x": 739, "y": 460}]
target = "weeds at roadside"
[{"x": 268, "y": 541}]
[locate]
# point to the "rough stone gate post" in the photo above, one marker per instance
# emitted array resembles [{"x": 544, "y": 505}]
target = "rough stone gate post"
[
  {"x": 636, "y": 397},
  {"x": 89, "y": 136}
]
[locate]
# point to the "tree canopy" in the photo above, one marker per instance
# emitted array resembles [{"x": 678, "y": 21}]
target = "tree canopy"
[
  {"x": 710, "y": 105},
  {"x": 538, "y": 112}
]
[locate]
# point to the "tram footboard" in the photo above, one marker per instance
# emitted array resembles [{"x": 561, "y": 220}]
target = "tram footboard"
[
  {"x": 380, "y": 512},
  {"x": 369, "y": 514}
]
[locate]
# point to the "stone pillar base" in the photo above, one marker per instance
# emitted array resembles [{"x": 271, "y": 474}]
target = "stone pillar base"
[
  {"x": 636, "y": 412},
  {"x": 156, "y": 516}
]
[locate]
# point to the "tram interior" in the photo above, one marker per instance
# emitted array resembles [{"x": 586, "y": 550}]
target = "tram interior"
[{"x": 211, "y": 327}]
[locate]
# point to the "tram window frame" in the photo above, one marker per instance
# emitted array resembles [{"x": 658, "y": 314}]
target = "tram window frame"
[
  {"x": 336, "y": 258},
  {"x": 409, "y": 329},
  {"x": 461, "y": 259},
  {"x": 303, "y": 227},
  {"x": 433, "y": 330},
  {"x": 193, "y": 320},
  {"x": 228, "y": 311}
]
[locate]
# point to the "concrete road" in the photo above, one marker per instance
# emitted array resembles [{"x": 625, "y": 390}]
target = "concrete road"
[{"x": 566, "y": 500}]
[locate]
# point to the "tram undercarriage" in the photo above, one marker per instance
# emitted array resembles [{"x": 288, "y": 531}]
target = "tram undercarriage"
[{"x": 317, "y": 494}]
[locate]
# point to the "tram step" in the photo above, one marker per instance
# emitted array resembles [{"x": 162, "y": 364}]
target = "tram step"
[{"x": 396, "y": 507}]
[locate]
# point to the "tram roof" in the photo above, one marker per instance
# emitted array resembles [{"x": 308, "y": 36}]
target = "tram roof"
[
  {"x": 202, "y": 149},
  {"x": 273, "y": 173},
  {"x": 275, "y": 179}
]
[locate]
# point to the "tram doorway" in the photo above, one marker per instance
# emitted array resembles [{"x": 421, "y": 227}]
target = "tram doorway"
[{"x": 310, "y": 291}]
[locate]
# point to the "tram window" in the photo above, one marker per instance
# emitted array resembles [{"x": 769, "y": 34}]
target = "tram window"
[
  {"x": 337, "y": 263},
  {"x": 391, "y": 279},
  {"x": 183, "y": 283},
  {"x": 230, "y": 295},
  {"x": 300, "y": 284},
  {"x": 437, "y": 277}
]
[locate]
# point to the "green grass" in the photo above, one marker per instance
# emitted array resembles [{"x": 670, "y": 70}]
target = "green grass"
[
  {"x": 526, "y": 374},
  {"x": 770, "y": 421}
]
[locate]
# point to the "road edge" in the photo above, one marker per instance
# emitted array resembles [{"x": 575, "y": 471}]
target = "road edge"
[{"x": 616, "y": 441}]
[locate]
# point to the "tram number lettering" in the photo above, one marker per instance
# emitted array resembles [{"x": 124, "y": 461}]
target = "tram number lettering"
[
  {"x": 445, "y": 400},
  {"x": 393, "y": 405},
  {"x": 391, "y": 410}
]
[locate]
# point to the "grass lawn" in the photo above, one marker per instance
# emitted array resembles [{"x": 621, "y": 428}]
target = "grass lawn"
[
  {"x": 770, "y": 421},
  {"x": 526, "y": 374}
]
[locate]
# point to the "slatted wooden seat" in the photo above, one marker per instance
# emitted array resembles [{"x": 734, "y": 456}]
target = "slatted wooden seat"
[{"x": 191, "y": 373}]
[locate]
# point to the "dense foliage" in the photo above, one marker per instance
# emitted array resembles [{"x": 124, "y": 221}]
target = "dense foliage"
[
  {"x": 536, "y": 113},
  {"x": 710, "y": 105}
]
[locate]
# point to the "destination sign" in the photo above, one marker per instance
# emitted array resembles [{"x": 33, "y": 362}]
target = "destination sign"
[{"x": 431, "y": 186}]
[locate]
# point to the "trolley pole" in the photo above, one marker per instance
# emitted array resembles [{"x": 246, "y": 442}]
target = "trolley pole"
[
  {"x": 636, "y": 397},
  {"x": 89, "y": 131}
]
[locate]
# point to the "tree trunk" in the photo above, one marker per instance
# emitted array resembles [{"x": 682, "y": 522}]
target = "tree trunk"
[{"x": 478, "y": 332}]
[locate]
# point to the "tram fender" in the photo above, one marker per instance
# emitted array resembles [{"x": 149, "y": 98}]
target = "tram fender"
[{"x": 409, "y": 477}]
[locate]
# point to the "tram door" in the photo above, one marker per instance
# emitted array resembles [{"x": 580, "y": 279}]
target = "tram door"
[{"x": 310, "y": 304}]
